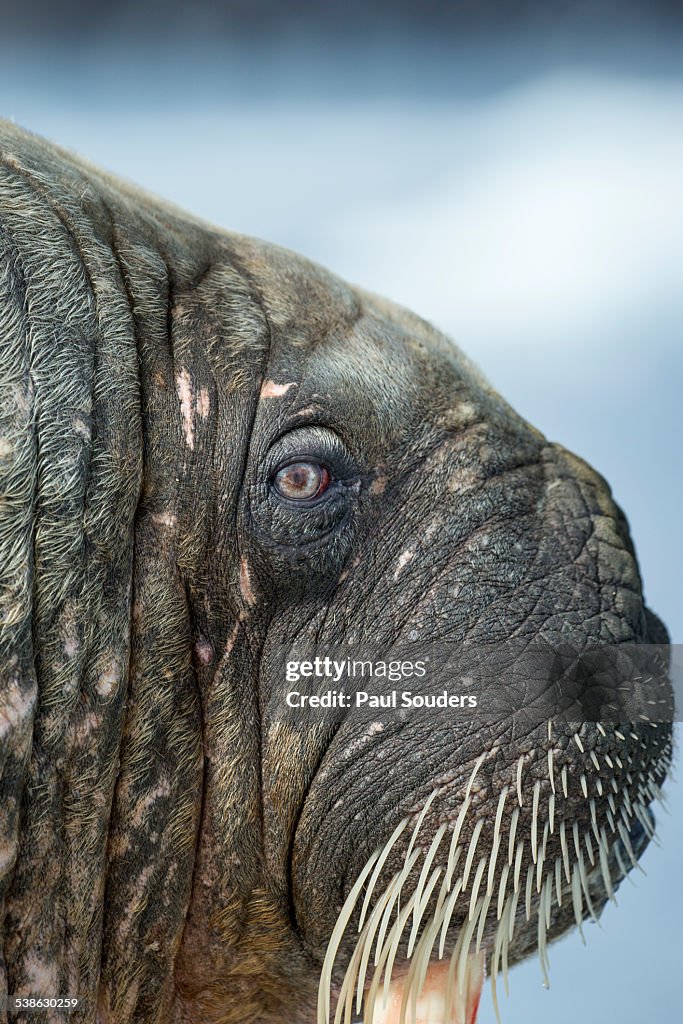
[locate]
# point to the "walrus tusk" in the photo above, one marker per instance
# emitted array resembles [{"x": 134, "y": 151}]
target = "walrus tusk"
[{"x": 432, "y": 1006}]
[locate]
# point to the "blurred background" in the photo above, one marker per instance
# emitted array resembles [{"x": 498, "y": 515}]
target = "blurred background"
[{"x": 513, "y": 172}]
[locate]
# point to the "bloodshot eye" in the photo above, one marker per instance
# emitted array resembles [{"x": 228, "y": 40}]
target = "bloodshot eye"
[{"x": 301, "y": 481}]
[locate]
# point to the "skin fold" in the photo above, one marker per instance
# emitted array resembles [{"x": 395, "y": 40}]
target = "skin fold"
[{"x": 170, "y": 849}]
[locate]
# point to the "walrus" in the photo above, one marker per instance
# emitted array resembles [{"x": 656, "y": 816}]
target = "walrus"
[{"x": 210, "y": 448}]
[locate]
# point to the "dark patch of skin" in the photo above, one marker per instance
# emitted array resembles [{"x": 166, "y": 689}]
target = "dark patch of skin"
[{"x": 169, "y": 850}]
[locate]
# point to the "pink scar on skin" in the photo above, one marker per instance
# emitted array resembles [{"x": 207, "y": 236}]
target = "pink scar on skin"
[
  {"x": 40, "y": 974},
  {"x": 16, "y": 709},
  {"x": 203, "y": 403},
  {"x": 246, "y": 588},
  {"x": 183, "y": 385},
  {"x": 71, "y": 647},
  {"x": 81, "y": 427},
  {"x": 164, "y": 519},
  {"x": 269, "y": 389},
  {"x": 203, "y": 650},
  {"x": 107, "y": 681},
  {"x": 354, "y": 565},
  {"x": 404, "y": 558},
  {"x": 232, "y": 639}
]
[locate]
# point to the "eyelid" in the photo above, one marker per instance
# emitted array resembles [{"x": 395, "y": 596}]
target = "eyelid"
[
  {"x": 312, "y": 443},
  {"x": 322, "y": 433}
]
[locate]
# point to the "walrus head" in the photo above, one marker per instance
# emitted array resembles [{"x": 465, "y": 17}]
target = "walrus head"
[{"x": 213, "y": 449}]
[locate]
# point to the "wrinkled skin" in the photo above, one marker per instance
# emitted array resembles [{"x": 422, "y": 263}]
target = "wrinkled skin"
[{"x": 168, "y": 849}]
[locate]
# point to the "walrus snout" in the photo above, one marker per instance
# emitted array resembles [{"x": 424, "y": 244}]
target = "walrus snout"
[{"x": 521, "y": 832}]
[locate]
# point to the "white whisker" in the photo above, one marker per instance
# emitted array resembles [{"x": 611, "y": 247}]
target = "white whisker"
[{"x": 378, "y": 868}]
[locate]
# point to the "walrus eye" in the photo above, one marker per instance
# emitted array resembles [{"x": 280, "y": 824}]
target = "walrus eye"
[
  {"x": 301, "y": 481},
  {"x": 305, "y": 496}
]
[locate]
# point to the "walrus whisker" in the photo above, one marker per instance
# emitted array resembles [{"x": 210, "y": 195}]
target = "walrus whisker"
[
  {"x": 375, "y": 918},
  {"x": 534, "y": 821},
  {"x": 518, "y": 779},
  {"x": 452, "y": 991},
  {"x": 564, "y": 777},
  {"x": 447, "y": 915},
  {"x": 345, "y": 1001},
  {"x": 645, "y": 822},
  {"x": 542, "y": 933},
  {"x": 551, "y": 812},
  {"x": 627, "y": 809},
  {"x": 424, "y": 959},
  {"x": 549, "y": 901},
  {"x": 496, "y": 836},
  {"x": 518, "y": 863},
  {"x": 577, "y": 901},
  {"x": 455, "y": 849},
  {"x": 514, "y": 820},
  {"x": 502, "y": 890},
  {"x": 419, "y": 908},
  {"x": 586, "y": 892},
  {"x": 386, "y": 960},
  {"x": 540, "y": 864},
  {"x": 473, "y": 774},
  {"x": 623, "y": 870},
  {"x": 495, "y": 961},
  {"x": 501, "y": 940},
  {"x": 415, "y": 978},
  {"x": 558, "y": 881},
  {"x": 442, "y": 899},
  {"x": 604, "y": 866},
  {"x": 418, "y": 824},
  {"x": 476, "y": 883},
  {"x": 337, "y": 933},
  {"x": 466, "y": 943},
  {"x": 483, "y": 917},
  {"x": 440, "y": 909},
  {"x": 626, "y": 842},
  {"x": 528, "y": 890},
  {"x": 551, "y": 767},
  {"x": 471, "y": 851},
  {"x": 591, "y": 864},
  {"x": 381, "y": 860},
  {"x": 395, "y": 939},
  {"x": 407, "y": 868},
  {"x": 421, "y": 902}
]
